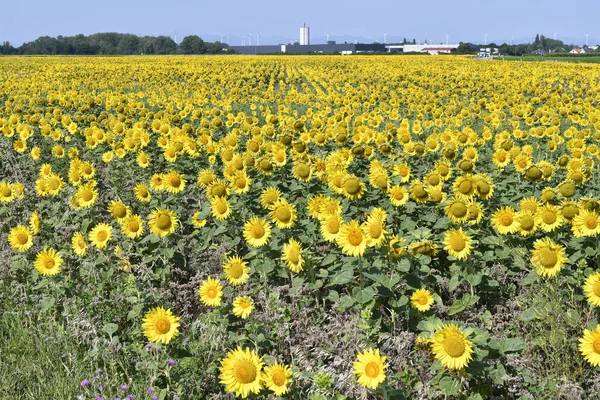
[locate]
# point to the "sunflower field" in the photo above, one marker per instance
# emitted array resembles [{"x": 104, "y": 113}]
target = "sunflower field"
[{"x": 299, "y": 227}]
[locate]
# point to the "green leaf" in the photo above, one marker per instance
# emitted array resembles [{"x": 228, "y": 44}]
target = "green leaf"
[
  {"x": 110, "y": 328},
  {"x": 330, "y": 259},
  {"x": 342, "y": 277},
  {"x": 366, "y": 295},
  {"x": 528, "y": 315},
  {"x": 404, "y": 265},
  {"x": 346, "y": 302},
  {"x": 454, "y": 283},
  {"x": 450, "y": 386},
  {"x": 460, "y": 305},
  {"x": 47, "y": 303}
]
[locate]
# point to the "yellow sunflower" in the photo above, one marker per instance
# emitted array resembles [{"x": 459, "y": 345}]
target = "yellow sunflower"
[
  {"x": 292, "y": 255},
  {"x": 457, "y": 243},
  {"x": 351, "y": 239},
  {"x": 548, "y": 218},
  {"x": 142, "y": 193},
  {"x": 505, "y": 221},
  {"x": 210, "y": 292},
  {"x": 78, "y": 244},
  {"x": 451, "y": 346},
  {"x": 132, "y": 226},
  {"x": 353, "y": 188},
  {"x": 100, "y": 235},
  {"x": 257, "y": 232},
  {"x": 6, "y": 192},
  {"x": 277, "y": 378},
  {"x": 160, "y": 325},
  {"x": 548, "y": 257},
  {"x": 374, "y": 230},
  {"x": 422, "y": 300},
  {"x": 370, "y": 368},
  {"x": 591, "y": 289},
  {"x": 174, "y": 182},
  {"x": 269, "y": 196},
  {"x": 236, "y": 270},
  {"x": 457, "y": 210},
  {"x": 48, "y": 262},
  {"x": 34, "y": 223},
  {"x": 283, "y": 214},
  {"x": 587, "y": 223},
  {"x": 86, "y": 195},
  {"x": 241, "y": 372},
  {"x": 242, "y": 306},
  {"x": 118, "y": 210},
  {"x": 20, "y": 238},
  {"x": 162, "y": 222},
  {"x": 219, "y": 207},
  {"x": 197, "y": 220},
  {"x": 398, "y": 195},
  {"x": 589, "y": 346},
  {"x": 330, "y": 227}
]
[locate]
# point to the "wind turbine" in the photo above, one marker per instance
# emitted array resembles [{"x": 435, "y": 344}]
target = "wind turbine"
[
  {"x": 258, "y": 38},
  {"x": 327, "y": 37},
  {"x": 555, "y": 35},
  {"x": 587, "y": 37},
  {"x": 384, "y": 37},
  {"x": 486, "y": 39},
  {"x": 447, "y": 39}
]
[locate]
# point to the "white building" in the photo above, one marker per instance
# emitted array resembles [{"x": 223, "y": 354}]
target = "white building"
[
  {"x": 304, "y": 35},
  {"x": 421, "y": 48}
]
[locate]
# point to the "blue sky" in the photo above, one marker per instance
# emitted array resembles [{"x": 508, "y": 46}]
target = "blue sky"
[{"x": 279, "y": 21}]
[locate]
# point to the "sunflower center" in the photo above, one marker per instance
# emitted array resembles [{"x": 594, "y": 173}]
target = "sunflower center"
[
  {"x": 352, "y": 186},
  {"x": 133, "y": 226},
  {"x": 527, "y": 222},
  {"x": 293, "y": 255},
  {"x": 236, "y": 270},
  {"x": 422, "y": 300},
  {"x": 240, "y": 183},
  {"x": 163, "y": 222},
  {"x": 454, "y": 346},
  {"x": 549, "y": 217},
  {"x": 6, "y": 191},
  {"x": 433, "y": 180},
  {"x": 278, "y": 378},
  {"x": 548, "y": 257},
  {"x": 244, "y": 371},
  {"x": 175, "y": 181},
  {"x": 303, "y": 171},
  {"x": 271, "y": 197},
  {"x": 333, "y": 226},
  {"x": 162, "y": 326},
  {"x": 53, "y": 184},
  {"x": 355, "y": 237},
  {"x": 375, "y": 230},
  {"x": 381, "y": 181},
  {"x": 22, "y": 238},
  {"x": 143, "y": 192},
  {"x": 459, "y": 210},
  {"x": 597, "y": 345},
  {"x": 465, "y": 187},
  {"x": 399, "y": 194},
  {"x": 221, "y": 207},
  {"x": 591, "y": 221},
  {"x": 218, "y": 191},
  {"x": 258, "y": 231},
  {"x": 283, "y": 214},
  {"x": 119, "y": 211},
  {"x": 211, "y": 293},
  {"x": 457, "y": 243},
  {"x": 372, "y": 370},
  {"x": 567, "y": 189},
  {"x": 483, "y": 187},
  {"x": 102, "y": 236},
  {"x": 596, "y": 288},
  {"x": 49, "y": 263}
]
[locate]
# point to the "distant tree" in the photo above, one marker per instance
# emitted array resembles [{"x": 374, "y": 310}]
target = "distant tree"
[
  {"x": 7, "y": 48},
  {"x": 404, "y": 41},
  {"x": 192, "y": 45},
  {"x": 164, "y": 45},
  {"x": 466, "y": 48},
  {"x": 414, "y": 41},
  {"x": 129, "y": 44}
]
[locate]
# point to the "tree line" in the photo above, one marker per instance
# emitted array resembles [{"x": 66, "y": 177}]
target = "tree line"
[
  {"x": 112, "y": 43},
  {"x": 540, "y": 44}
]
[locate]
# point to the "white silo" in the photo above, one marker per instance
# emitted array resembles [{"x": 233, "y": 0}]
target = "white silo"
[{"x": 304, "y": 35}]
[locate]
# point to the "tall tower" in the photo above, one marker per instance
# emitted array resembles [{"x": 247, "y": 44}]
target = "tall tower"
[{"x": 304, "y": 35}]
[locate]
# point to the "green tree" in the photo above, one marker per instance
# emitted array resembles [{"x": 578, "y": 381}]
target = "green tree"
[{"x": 192, "y": 45}]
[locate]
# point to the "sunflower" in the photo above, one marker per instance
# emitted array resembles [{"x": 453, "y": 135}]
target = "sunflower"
[
  {"x": 302, "y": 171},
  {"x": 219, "y": 207},
  {"x": 157, "y": 182},
  {"x": 422, "y": 300},
  {"x": 529, "y": 204},
  {"x": 329, "y": 207},
  {"x": 242, "y": 306},
  {"x": 269, "y": 196},
  {"x": 34, "y": 223},
  {"x": 505, "y": 221},
  {"x": 236, "y": 270},
  {"x": 240, "y": 182},
  {"x": 592, "y": 289},
  {"x": 132, "y": 226},
  {"x": 451, "y": 346},
  {"x": 370, "y": 368},
  {"x": 20, "y": 238},
  {"x": 398, "y": 195},
  {"x": 464, "y": 186},
  {"x": 162, "y": 222},
  {"x": 374, "y": 230},
  {"x": 86, "y": 195},
  {"x": 425, "y": 247},
  {"x": 548, "y": 218},
  {"x": 174, "y": 182},
  {"x": 418, "y": 192},
  {"x": 78, "y": 244},
  {"x": 210, "y": 292},
  {"x": 142, "y": 193},
  {"x": 283, "y": 214},
  {"x": 118, "y": 210},
  {"x": 257, "y": 232},
  {"x": 352, "y": 187},
  {"x": 206, "y": 177},
  {"x": 48, "y": 262},
  {"x": 589, "y": 346},
  {"x": 292, "y": 255},
  {"x": 587, "y": 223},
  {"x": 351, "y": 239},
  {"x": 330, "y": 227},
  {"x": 277, "y": 378},
  {"x": 548, "y": 257},
  {"x": 241, "y": 372},
  {"x": 100, "y": 235},
  {"x": 160, "y": 325},
  {"x": 457, "y": 210},
  {"x": 395, "y": 247},
  {"x": 484, "y": 188},
  {"x": 197, "y": 220},
  {"x": 457, "y": 243},
  {"x": 6, "y": 192}
]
